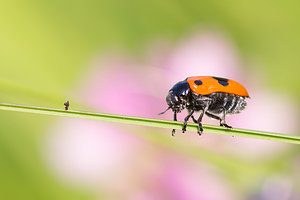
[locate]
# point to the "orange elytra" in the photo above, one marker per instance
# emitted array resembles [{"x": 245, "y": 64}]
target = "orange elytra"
[{"x": 209, "y": 84}]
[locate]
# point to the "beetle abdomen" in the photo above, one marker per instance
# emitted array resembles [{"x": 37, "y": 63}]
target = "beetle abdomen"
[{"x": 232, "y": 103}]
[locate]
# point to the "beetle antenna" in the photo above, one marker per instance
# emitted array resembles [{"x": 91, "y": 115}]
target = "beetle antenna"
[{"x": 164, "y": 111}]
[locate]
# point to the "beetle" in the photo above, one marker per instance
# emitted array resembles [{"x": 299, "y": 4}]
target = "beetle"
[{"x": 208, "y": 95}]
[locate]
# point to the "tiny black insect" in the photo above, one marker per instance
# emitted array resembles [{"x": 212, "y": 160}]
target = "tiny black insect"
[{"x": 67, "y": 104}]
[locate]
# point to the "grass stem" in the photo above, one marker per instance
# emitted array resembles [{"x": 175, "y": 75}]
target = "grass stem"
[{"x": 159, "y": 123}]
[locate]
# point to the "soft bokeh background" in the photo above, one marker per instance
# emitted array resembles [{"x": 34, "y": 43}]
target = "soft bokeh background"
[{"x": 122, "y": 57}]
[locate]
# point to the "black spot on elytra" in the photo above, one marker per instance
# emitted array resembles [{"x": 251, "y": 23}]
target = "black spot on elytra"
[
  {"x": 222, "y": 81},
  {"x": 198, "y": 82}
]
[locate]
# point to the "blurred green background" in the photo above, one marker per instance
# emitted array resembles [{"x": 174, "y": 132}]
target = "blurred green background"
[{"x": 45, "y": 46}]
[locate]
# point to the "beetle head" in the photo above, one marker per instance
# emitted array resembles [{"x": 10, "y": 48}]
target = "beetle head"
[{"x": 178, "y": 96}]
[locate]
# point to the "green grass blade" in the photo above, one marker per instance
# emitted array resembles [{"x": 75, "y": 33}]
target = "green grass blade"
[{"x": 159, "y": 123}]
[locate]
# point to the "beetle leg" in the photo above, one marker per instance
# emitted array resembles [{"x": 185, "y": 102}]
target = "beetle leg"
[
  {"x": 175, "y": 119},
  {"x": 190, "y": 113},
  {"x": 205, "y": 105},
  {"x": 222, "y": 120},
  {"x": 213, "y": 116},
  {"x": 199, "y": 121},
  {"x": 195, "y": 121}
]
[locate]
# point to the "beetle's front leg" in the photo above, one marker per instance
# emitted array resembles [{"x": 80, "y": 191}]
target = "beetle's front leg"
[{"x": 175, "y": 119}]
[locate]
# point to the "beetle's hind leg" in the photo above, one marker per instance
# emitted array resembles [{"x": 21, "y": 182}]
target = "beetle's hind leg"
[
  {"x": 223, "y": 122},
  {"x": 190, "y": 114},
  {"x": 221, "y": 119}
]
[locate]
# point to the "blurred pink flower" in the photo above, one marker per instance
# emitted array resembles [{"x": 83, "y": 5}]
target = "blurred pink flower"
[
  {"x": 102, "y": 155},
  {"x": 121, "y": 89},
  {"x": 85, "y": 151}
]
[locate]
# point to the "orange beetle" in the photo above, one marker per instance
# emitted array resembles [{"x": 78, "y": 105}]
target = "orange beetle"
[{"x": 208, "y": 94}]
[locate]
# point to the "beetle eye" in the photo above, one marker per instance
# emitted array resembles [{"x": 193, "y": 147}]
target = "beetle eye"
[{"x": 174, "y": 99}]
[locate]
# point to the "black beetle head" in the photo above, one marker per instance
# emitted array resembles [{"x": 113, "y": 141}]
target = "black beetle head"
[{"x": 178, "y": 96}]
